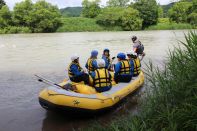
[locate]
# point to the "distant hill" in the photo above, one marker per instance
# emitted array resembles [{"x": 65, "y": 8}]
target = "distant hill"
[
  {"x": 167, "y": 7},
  {"x": 71, "y": 11}
]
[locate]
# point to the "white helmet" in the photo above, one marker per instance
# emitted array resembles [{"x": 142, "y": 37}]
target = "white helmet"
[
  {"x": 100, "y": 63},
  {"x": 74, "y": 57},
  {"x": 131, "y": 53},
  {"x": 135, "y": 54}
]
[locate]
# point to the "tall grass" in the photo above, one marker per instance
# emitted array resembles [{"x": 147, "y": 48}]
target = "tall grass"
[
  {"x": 170, "y": 103},
  {"x": 79, "y": 24},
  {"x": 170, "y": 26}
]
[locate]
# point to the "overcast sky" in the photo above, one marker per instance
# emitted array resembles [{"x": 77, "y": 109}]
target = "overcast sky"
[{"x": 71, "y": 3}]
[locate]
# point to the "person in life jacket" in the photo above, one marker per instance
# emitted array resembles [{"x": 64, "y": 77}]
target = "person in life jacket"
[
  {"x": 101, "y": 77},
  {"x": 91, "y": 63},
  {"x": 75, "y": 72},
  {"x": 138, "y": 47},
  {"x": 129, "y": 53},
  {"x": 106, "y": 58},
  {"x": 123, "y": 69},
  {"x": 137, "y": 64}
]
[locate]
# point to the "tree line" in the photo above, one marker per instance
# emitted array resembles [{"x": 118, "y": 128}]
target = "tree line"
[
  {"x": 139, "y": 14},
  {"x": 29, "y": 17}
]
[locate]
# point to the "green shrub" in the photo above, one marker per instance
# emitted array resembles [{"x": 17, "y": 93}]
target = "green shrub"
[
  {"x": 164, "y": 20},
  {"x": 14, "y": 30},
  {"x": 127, "y": 18}
]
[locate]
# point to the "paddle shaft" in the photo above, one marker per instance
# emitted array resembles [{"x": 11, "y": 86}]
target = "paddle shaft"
[{"x": 44, "y": 80}]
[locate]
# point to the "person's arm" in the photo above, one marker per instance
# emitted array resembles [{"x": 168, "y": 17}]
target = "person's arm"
[
  {"x": 94, "y": 64},
  {"x": 117, "y": 68},
  {"x": 75, "y": 70},
  {"x": 106, "y": 62},
  {"x": 132, "y": 67}
]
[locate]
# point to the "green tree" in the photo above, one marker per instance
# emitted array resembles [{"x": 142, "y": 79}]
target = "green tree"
[
  {"x": 110, "y": 16},
  {"x": 91, "y": 9},
  {"x": 5, "y": 17},
  {"x": 22, "y": 13},
  {"x": 39, "y": 17},
  {"x": 130, "y": 20},
  {"x": 148, "y": 11},
  {"x": 178, "y": 12},
  {"x": 2, "y": 3},
  {"x": 192, "y": 13},
  {"x": 44, "y": 17},
  {"x": 127, "y": 18},
  {"x": 160, "y": 12},
  {"x": 118, "y": 3}
]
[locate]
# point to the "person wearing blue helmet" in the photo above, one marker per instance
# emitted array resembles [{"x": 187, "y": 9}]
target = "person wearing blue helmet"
[
  {"x": 123, "y": 69},
  {"x": 106, "y": 58},
  {"x": 91, "y": 63}
]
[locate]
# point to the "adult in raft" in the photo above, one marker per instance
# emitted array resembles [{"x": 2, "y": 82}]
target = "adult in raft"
[
  {"x": 133, "y": 58},
  {"x": 75, "y": 72},
  {"x": 106, "y": 58},
  {"x": 91, "y": 64},
  {"x": 138, "y": 47},
  {"x": 123, "y": 69},
  {"x": 101, "y": 77}
]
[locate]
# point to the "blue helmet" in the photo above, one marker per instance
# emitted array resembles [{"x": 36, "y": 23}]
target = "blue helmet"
[
  {"x": 106, "y": 50},
  {"x": 121, "y": 56},
  {"x": 94, "y": 53}
]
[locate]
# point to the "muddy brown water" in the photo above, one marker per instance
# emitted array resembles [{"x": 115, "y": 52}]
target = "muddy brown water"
[{"x": 23, "y": 55}]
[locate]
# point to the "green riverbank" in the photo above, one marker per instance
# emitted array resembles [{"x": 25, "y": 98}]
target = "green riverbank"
[
  {"x": 170, "y": 103},
  {"x": 80, "y": 24}
]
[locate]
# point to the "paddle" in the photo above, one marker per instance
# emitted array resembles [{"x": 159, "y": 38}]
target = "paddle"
[{"x": 44, "y": 80}]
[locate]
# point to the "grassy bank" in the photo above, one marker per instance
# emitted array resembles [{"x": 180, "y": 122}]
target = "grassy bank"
[
  {"x": 170, "y": 26},
  {"x": 79, "y": 24},
  {"x": 171, "y": 101}
]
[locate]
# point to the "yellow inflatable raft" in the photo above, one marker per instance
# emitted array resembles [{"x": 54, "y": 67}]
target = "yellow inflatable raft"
[{"x": 82, "y": 98}]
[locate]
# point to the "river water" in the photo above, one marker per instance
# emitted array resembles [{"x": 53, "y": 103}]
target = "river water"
[{"x": 23, "y": 55}]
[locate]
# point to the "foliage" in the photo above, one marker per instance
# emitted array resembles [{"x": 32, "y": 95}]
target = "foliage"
[
  {"x": 130, "y": 20},
  {"x": 148, "y": 11},
  {"x": 5, "y": 17},
  {"x": 118, "y": 3},
  {"x": 14, "y": 29},
  {"x": 45, "y": 17},
  {"x": 127, "y": 18},
  {"x": 71, "y": 11},
  {"x": 160, "y": 12},
  {"x": 178, "y": 12},
  {"x": 38, "y": 17},
  {"x": 78, "y": 24},
  {"x": 170, "y": 102},
  {"x": 164, "y": 20},
  {"x": 110, "y": 16},
  {"x": 170, "y": 26},
  {"x": 192, "y": 13},
  {"x": 166, "y": 8},
  {"x": 90, "y": 8},
  {"x": 21, "y": 13},
  {"x": 192, "y": 19},
  {"x": 2, "y": 3}
]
